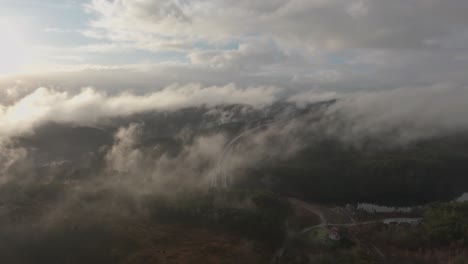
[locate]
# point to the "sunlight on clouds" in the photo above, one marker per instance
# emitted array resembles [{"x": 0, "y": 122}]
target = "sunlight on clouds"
[
  {"x": 89, "y": 106},
  {"x": 16, "y": 52}
]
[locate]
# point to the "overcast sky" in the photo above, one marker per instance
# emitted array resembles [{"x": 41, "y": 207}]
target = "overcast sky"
[{"x": 343, "y": 45}]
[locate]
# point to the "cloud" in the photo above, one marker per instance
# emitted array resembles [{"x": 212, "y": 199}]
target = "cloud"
[
  {"x": 335, "y": 45},
  {"x": 296, "y": 44},
  {"x": 406, "y": 114},
  {"x": 88, "y": 106},
  {"x": 367, "y": 43},
  {"x": 319, "y": 24},
  {"x": 9, "y": 155},
  {"x": 124, "y": 155},
  {"x": 416, "y": 112},
  {"x": 255, "y": 54},
  {"x": 149, "y": 168}
]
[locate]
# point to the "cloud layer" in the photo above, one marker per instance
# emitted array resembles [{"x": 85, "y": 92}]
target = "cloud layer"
[
  {"x": 89, "y": 106},
  {"x": 295, "y": 44},
  {"x": 424, "y": 111},
  {"x": 317, "y": 24},
  {"x": 406, "y": 113}
]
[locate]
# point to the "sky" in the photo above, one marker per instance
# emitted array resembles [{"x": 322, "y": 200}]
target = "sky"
[
  {"x": 402, "y": 42},
  {"x": 186, "y": 52}
]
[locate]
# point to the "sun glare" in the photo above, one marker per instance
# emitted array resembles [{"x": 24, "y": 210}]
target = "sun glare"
[{"x": 13, "y": 48}]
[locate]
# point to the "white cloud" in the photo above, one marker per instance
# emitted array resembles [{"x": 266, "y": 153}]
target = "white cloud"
[
  {"x": 253, "y": 54},
  {"x": 145, "y": 168},
  {"x": 416, "y": 111},
  {"x": 89, "y": 106},
  {"x": 411, "y": 112},
  {"x": 320, "y": 24},
  {"x": 339, "y": 44},
  {"x": 124, "y": 156},
  {"x": 297, "y": 44}
]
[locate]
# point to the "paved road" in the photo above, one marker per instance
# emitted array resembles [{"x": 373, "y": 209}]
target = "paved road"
[{"x": 324, "y": 223}]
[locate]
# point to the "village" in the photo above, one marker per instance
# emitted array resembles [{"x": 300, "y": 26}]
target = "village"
[{"x": 315, "y": 230}]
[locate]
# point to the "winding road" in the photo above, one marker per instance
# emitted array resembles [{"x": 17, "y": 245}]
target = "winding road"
[{"x": 220, "y": 174}]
